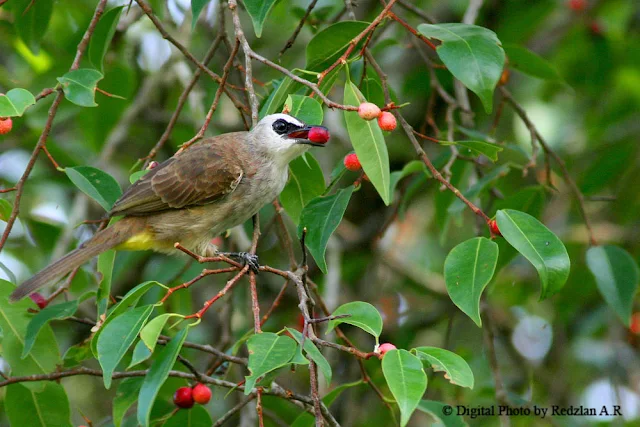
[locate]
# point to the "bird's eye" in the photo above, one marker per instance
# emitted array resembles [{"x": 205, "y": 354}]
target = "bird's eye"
[{"x": 280, "y": 126}]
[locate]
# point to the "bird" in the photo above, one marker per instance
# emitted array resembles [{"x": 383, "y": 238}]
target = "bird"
[{"x": 195, "y": 195}]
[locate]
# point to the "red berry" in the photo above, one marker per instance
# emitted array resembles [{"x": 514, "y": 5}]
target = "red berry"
[
  {"x": 368, "y": 111},
  {"x": 577, "y": 5},
  {"x": 383, "y": 348},
  {"x": 635, "y": 323},
  {"x": 318, "y": 134},
  {"x": 183, "y": 397},
  {"x": 5, "y": 125},
  {"x": 387, "y": 121},
  {"x": 201, "y": 394},
  {"x": 493, "y": 226},
  {"x": 595, "y": 28},
  {"x": 38, "y": 299},
  {"x": 352, "y": 163}
]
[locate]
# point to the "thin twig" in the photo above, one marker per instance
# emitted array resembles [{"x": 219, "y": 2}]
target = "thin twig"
[{"x": 293, "y": 37}]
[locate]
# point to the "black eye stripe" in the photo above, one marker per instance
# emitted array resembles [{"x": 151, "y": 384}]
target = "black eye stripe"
[{"x": 282, "y": 127}]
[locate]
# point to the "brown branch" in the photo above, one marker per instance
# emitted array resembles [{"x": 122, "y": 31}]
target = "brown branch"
[
  {"x": 410, "y": 7},
  {"x": 231, "y": 412},
  {"x": 412, "y": 30},
  {"x": 253, "y": 100},
  {"x": 255, "y": 304}
]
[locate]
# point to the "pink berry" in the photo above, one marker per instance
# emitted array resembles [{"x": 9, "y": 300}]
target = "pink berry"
[
  {"x": 368, "y": 111},
  {"x": 183, "y": 397},
  {"x": 387, "y": 121},
  {"x": 384, "y": 348},
  {"x": 319, "y": 135},
  {"x": 201, "y": 394},
  {"x": 38, "y": 299},
  {"x": 352, "y": 162},
  {"x": 6, "y": 124}
]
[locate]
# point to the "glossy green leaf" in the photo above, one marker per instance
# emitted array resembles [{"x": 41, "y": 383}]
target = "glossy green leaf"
[
  {"x": 14, "y": 320},
  {"x": 472, "y": 54},
  {"x": 196, "y": 9},
  {"x": 49, "y": 313},
  {"x": 326, "y": 47},
  {"x": 372, "y": 91},
  {"x": 140, "y": 353},
  {"x": 410, "y": 168},
  {"x": 46, "y": 408},
  {"x": 137, "y": 175},
  {"x": 76, "y": 354},
  {"x": 98, "y": 185},
  {"x": 126, "y": 396},
  {"x": 321, "y": 216},
  {"x": 616, "y": 274},
  {"x": 539, "y": 245},
  {"x": 306, "y": 182},
  {"x": 279, "y": 95},
  {"x": 5, "y": 210},
  {"x": 361, "y": 314},
  {"x": 307, "y": 420},
  {"x": 467, "y": 271},
  {"x": 455, "y": 368},
  {"x": 315, "y": 355},
  {"x": 525, "y": 61},
  {"x": 368, "y": 142},
  {"x": 15, "y": 102},
  {"x": 305, "y": 108},
  {"x": 437, "y": 411},
  {"x": 197, "y": 416},
  {"x": 157, "y": 375},
  {"x": 152, "y": 330},
  {"x": 31, "y": 19},
  {"x": 475, "y": 148},
  {"x": 267, "y": 352},
  {"x": 116, "y": 338},
  {"x": 79, "y": 86},
  {"x": 406, "y": 380},
  {"x": 101, "y": 38},
  {"x": 483, "y": 184},
  {"x": 258, "y": 10}
]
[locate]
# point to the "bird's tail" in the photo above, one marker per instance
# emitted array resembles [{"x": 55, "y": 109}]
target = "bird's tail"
[{"x": 102, "y": 241}]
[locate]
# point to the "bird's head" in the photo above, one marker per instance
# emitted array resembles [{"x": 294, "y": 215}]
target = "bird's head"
[{"x": 286, "y": 137}]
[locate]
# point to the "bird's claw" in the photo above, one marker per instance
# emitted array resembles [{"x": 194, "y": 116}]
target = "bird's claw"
[{"x": 247, "y": 259}]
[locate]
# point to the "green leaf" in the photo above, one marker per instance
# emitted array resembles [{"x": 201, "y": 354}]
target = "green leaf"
[
  {"x": 258, "y": 10},
  {"x": 305, "y": 108},
  {"x": 116, "y": 338},
  {"x": 79, "y": 86},
  {"x": 362, "y": 314},
  {"x": 157, "y": 375},
  {"x": 406, "y": 380},
  {"x": 468, "y": 269},
  {"x": 267, "y": 352},
  {"x": 106, "y": 261},
  {"x": 31, "y": 21},
  {"x": 307, "y": 420},
  {"x": 197, "y": 416},
  {"x": 5, "y": 210},
  {"x": 47, "y": 408},
  {"x": 101, "y": 38},
  {"x": 150, "y": 333},
  {"x": 326, "y": 47},
  {"x": 412, "y": 167},
  {"x": 455, "y": 368},
  {"x": 306, "y": 182},
  {"x": 372, "y": 91},
  {"x": 137, "y": 175},
  {"x": 14, "y": 320},
  {"x": 475, "y": 148},
  {"x": 616, "y": 275},
  {"x": 77, "y": 354},
  {"x": 368, "y": 142},
  {"x": 321, "y": 217},
  {"x": 525, "y": 61},
  {"x": 539, "y": 245},
  {"x": 14, "y": 102},
  {"x": 437, "y": 411},
  {"x": 315, "y": 355},
  {"x": 484, "y": 183},
  {"x": 58, "y": 311},
  {"x": 472, "y": 54},
  {"x": 126, "y": 395},
  {"x": 279, "y": 94},
  {"x": 140, "y": 353},
  {"x": 196, "y": 8},
  {"x": 98, "y": 185}
]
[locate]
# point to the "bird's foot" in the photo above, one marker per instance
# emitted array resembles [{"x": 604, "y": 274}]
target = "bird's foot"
[{"x": 245, "y": 258}]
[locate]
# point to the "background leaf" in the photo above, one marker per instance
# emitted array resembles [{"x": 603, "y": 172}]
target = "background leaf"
[
  {"x": 329, "y": 44},
  {"x": 306, "y": 182},
  {"x": 314, "y": 353},
  {"x": 361, "y": 314},
  {"x": 305, "y": 108},
  {"x": 15, "y": 102},
  {"x": 436, "y": 411},
  {"x": 46, "y": 408},
  {"x": 101, "y": 38},
  {"x": 196, "y": 8},
  {"x": 406, "y": 380},
  {"x": 258, "y": 10},
  {"x": 96, "y": 184},
  {"x": 47, "y": 314},
  {"x": 455, "y": 368},
  {"x": 525, "y": 61},
  {"x": 79, "y": 86},
  {"x": 474, "y": 148},
  {"x": 267, "y": 352},
  {"x": 32, "y": 20}
]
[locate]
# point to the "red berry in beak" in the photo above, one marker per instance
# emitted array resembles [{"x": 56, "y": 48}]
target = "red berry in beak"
[
  {"x": 183, "y": 397},
  {"x": 319, "y": 135},
  {"x": 38, "y": 299}
]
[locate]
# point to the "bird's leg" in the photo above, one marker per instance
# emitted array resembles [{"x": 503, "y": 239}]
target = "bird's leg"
[{"x": 246, "y": 258}]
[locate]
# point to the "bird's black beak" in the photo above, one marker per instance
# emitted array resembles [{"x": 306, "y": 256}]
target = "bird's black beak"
[{"x": 310, "y": 135}]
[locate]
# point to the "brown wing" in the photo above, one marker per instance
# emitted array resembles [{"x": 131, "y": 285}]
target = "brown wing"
[{"x": 200, "y": 175}]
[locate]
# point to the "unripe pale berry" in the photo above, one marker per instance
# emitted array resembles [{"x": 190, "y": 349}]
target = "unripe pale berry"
[
  {"x": 183, "y": 397},
  {"x": 38, "y": 299},
  {"x": 387, "y": 121},
  {"x": 5, "y": 125},
  {"x": 352, "y": 163},
  {"x": 319, "y": 135},
  {"x": 493, "y": 226},
  {"x": 384, "y": 348},
  {"x": 368, "y": 111},
  {"x": 201, "y": 394}
]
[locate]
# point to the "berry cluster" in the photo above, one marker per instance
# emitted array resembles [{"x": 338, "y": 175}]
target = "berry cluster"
[
  {"x": 369, "y": 111},
  {"x": 185, "y": 397}
]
